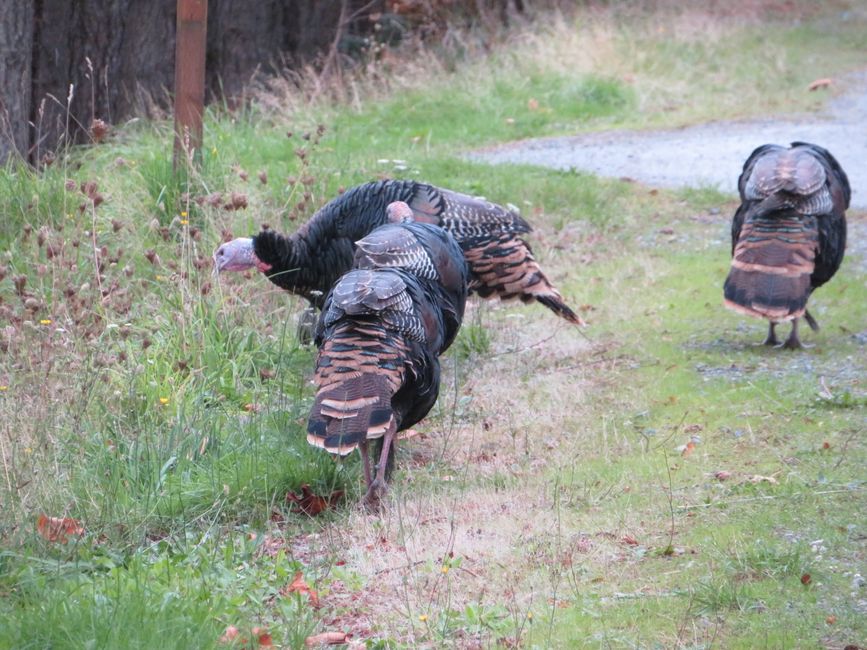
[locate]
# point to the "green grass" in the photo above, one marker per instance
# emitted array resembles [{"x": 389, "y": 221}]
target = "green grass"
[{"x": 165, "y": 411}]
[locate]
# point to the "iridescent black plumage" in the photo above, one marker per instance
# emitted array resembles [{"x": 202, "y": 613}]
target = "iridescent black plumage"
[
  {"x": 429, "y": 253},
  {"x": 501, "y": 263},
  {"x": 788, "y": 235},
  {"x": 382, "y": 329}
]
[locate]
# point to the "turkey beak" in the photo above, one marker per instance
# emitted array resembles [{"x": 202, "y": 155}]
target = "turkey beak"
[{"x": 219, "y": 259}]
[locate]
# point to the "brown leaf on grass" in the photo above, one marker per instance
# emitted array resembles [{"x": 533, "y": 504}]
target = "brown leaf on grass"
[
  {"x": 56, "y": 529},
  {"x": 263, "y": 638},
  {"x": 824, "y": 82},
  {"x": 830, "y": 620},
  {"x": 686, "y": 450},
  {"x": 327, "y": 638},
  {"x": 298, "y": 586},
  {"x": 312, "y": 504},
  {"x": 806, "y": 579},
  {"x": 631, "y": 541}
]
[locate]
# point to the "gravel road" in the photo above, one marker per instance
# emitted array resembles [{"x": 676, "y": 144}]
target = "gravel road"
[{"x": 709, "y": 154}]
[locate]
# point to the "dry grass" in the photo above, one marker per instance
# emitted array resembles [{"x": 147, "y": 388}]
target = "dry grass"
[{"x": 547, "y": 481}]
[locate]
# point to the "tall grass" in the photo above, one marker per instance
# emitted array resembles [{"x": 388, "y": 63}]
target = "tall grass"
[{"x": 165, "y": 411}]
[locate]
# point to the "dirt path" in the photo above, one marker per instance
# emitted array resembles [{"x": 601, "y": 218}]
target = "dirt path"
[{"x": 709, "y": 154}]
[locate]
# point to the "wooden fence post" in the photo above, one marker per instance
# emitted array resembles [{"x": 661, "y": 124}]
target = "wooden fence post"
[{"x": 189, "y": 78}]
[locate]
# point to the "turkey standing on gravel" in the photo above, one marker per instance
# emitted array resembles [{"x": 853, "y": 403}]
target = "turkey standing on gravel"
[
  {"x": 788, "y": 235},
  {"x": 309, "y": 262}
]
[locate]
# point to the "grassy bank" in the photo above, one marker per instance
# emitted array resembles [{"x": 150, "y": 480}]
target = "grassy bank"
[{"x": 662, "y": 482}]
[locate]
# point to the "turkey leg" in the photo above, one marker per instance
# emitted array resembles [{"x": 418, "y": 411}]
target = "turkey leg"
[
  {"x": 793, "y": 342},
  {"x": 378, "y": 486},
  {"x": 365, "y": 458},
  {"x": 772, "y": 335}
]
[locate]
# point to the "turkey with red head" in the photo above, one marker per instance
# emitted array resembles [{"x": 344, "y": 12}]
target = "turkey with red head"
[
  {"x": 788, "y": 235},
  {"x": 308, "y": 262},
  {"x": 380, "y": 334}
]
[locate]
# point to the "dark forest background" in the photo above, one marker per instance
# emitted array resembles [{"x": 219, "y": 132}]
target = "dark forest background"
[{"x": 118, "y": 55}]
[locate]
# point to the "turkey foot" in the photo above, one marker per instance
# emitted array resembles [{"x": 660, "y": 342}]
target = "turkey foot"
[
  {"x": 793, "y": 342},
  {"x": 373, "y": 498},
  {"x": 772, "y": 335}
]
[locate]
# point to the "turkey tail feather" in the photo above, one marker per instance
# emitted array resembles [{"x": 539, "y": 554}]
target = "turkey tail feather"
[
  {"x": 771, "y": 267},
  {"x": 358, "y": 409},
  {"x": 358, "y": 371},
  {"x": 555, "y": 303},
  {"x": 504, "y": 266}
]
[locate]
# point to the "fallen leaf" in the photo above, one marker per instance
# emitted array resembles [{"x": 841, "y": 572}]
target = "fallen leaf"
[
  {"x": 262, "y": 637},
  {"x": 626, "y": 539},
  {"x": 806, "y": 579},
  {"x": 312, "y": 504},
  {"x": 327, "y": 638},
  {"x": 826, "y": 445},
  {"x": 686, "y": 450},
  {"x": 299, "y": 586},
  {"x": 819, "y": 83},
  {"x": 831, "y": 620},
  {"x": 56, "y": 529}
]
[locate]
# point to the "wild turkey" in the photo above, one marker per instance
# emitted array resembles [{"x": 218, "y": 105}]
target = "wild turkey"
[
  {"x": 308, "y": 262},
  {"x": 380, "y": 334},
  {"x": 788, "y": 235}
]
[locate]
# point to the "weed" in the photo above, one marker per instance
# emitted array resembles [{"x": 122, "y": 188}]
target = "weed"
[{"x": 165, "y": 412}]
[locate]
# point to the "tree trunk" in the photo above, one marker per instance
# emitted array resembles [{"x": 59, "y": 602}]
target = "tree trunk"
[
  {"x": 92, "y": 58},
  {"x": 68, "y": 62},
  {"x": 16, "y": 46}
]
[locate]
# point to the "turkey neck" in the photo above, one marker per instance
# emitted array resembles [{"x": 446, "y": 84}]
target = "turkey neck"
[
  {"x": 310, "y": 261},
  {"x": 306, "y": 263}
]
